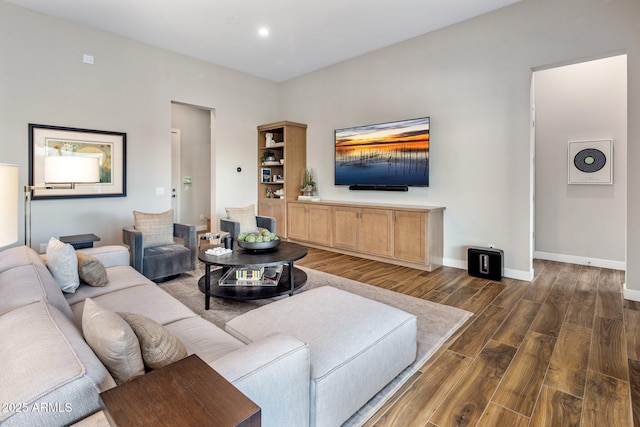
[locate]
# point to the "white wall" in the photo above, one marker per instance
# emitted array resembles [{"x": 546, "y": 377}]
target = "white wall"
[
  {"x": 128, "y": 89},
  {"x": 581, "y": 102},
  {"x": 473, "y": 80}
]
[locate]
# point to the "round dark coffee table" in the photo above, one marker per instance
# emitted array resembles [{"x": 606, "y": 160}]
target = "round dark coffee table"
[{"x": 285, "y": 254}]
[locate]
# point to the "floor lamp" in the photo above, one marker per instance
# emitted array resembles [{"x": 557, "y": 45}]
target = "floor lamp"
[
  {"x": 60, "y": 171},
  {"x": 8, "y": 204}
]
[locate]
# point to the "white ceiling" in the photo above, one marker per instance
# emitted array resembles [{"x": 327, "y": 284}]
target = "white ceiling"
[{"x": 305, "y": 35}]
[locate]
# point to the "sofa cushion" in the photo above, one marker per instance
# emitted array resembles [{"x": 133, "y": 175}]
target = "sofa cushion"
[
  {"x": 17, "y": 256},
  {"x": 121, "y": 277},
  {"x": 148, "y": 300},
  {"x": 90, "y": 270},
  {"x": 24, "y": 279},
  {"x": 43, "y": 358},
  {"x": 20, "y": 286},
  {"x": 63, "y": 265},
  {"x": 158, "y": 346},
  {"x": 245, "y": 216},
  {"x": 203, "y": 338},
  {"x": 166, "y": 260},
  {"x": 113, "y": 341},
  {"x": 157, "y": 228},
  {"x": 109, "y": 255}
]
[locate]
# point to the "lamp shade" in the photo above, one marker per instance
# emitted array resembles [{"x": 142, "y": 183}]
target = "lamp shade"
[
  {"x": 8, "y": 204},
  {"x": 71, "y": 169}
]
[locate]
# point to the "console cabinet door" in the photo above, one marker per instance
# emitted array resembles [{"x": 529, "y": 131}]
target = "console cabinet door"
[
  {"x": 298, "y": 222},
  {"x": 409, "y": 233},
  {"x": 345, "y": 227},
  {"x": 320, "y": 224},
  {"x": 376, "y": 232},
  {"x": 275, "y": 208}
]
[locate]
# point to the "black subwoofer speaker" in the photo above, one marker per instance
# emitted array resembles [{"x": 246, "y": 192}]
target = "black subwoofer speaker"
[{"x": 486, "y": 263}]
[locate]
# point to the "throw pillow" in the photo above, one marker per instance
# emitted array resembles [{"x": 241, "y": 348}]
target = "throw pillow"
[
  {"x": 245, "y": 216},
  {"x": 91, "y": 270},
  {"x": 113, "y": 341},
  {"x": 157, "y": 229},
  {"x": 63, "y": 265},
  {"x": 159, "y": 347}
]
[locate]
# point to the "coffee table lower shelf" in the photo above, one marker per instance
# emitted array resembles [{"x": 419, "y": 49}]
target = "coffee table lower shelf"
[{"x": 244, "y": 293}]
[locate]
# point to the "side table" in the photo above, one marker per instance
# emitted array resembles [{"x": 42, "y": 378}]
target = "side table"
[
  {"x": 80, "y": 241},
  {"x": 186, "y": 393}
]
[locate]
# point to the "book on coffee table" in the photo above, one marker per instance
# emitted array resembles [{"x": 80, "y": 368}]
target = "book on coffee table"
[
  {"x": 249, "y": 273},
  {"x": 268, "y": 276}
]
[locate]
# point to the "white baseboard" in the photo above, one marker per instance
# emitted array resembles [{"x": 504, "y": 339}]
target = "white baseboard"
[
  {"x": 510, "y": 273},
  {"x": 571, "y": 259},
  {"x": 630, "y": 294},
  {"x": 455, "y": 263},
  {"x": 527, "y": 276}
]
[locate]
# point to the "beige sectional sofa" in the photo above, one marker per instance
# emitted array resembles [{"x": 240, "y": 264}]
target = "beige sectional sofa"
[
  {"x": 310, "y": 360},
  {"x": 49, "y": 375}
]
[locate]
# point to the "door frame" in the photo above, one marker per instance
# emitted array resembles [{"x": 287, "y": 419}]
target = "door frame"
[{"x": 176, "y": 159}]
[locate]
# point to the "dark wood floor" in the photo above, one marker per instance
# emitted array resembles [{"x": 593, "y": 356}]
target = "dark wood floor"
[{"x": 562, "y": 350}]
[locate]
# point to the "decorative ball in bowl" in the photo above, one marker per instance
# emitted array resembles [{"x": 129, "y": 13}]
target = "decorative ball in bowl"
[{"x": 259, "y": 240}]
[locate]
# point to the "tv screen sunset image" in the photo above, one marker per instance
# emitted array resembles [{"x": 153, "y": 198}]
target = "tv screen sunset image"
[{"x": 395, "y": 153}]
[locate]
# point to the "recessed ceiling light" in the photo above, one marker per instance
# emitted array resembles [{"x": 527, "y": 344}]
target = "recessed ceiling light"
[{"x": 263, "y": 31}]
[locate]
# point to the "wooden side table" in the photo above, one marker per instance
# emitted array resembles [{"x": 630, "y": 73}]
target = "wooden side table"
[{"x": 186, "y": 393}]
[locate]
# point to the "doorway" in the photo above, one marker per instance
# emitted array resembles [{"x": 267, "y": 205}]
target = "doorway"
[
  {"x": 583, "y": 102},
  {"x": 191, "y": 164}
]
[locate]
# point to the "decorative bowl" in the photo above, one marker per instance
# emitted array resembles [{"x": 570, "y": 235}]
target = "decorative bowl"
[{"x": 258, "y": 246}]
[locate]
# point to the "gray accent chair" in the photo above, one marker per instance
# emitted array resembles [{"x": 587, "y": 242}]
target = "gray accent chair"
[
  {"x": 160, "y": 263},
  {"x": 233, "y": 227}
]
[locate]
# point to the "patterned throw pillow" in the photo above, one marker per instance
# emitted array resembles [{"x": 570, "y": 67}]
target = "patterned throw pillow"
[
  {"x": 113, "y": 341},
  {"x": 157, "y": 229},
  {"x": 91, "y": 270},
  {"x": 158, "y": 346},
  {"x": 245, "y": 216}
]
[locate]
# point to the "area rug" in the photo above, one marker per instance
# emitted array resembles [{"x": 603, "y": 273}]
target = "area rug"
[{"x": 436, "y": 322}]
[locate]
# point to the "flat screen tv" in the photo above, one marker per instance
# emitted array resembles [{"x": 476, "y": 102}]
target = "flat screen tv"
[{"x": 393, "y": 155}]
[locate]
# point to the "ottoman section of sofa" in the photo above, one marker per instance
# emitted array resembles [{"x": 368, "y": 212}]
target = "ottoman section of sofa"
[{"x": 357, "y": 345}]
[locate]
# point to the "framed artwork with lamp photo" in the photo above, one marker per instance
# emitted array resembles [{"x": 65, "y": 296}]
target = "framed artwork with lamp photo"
[{"x": 52, "y": 149}]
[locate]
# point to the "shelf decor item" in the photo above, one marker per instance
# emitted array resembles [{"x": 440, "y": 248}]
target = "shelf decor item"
[
  {"x": 267, "y": 157},
  {"x": 269, "y": 142},
  {"x": 269, "y": 193},
  {"x": 308, "y": 185},
  {"x": 265, "y": 173}
]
